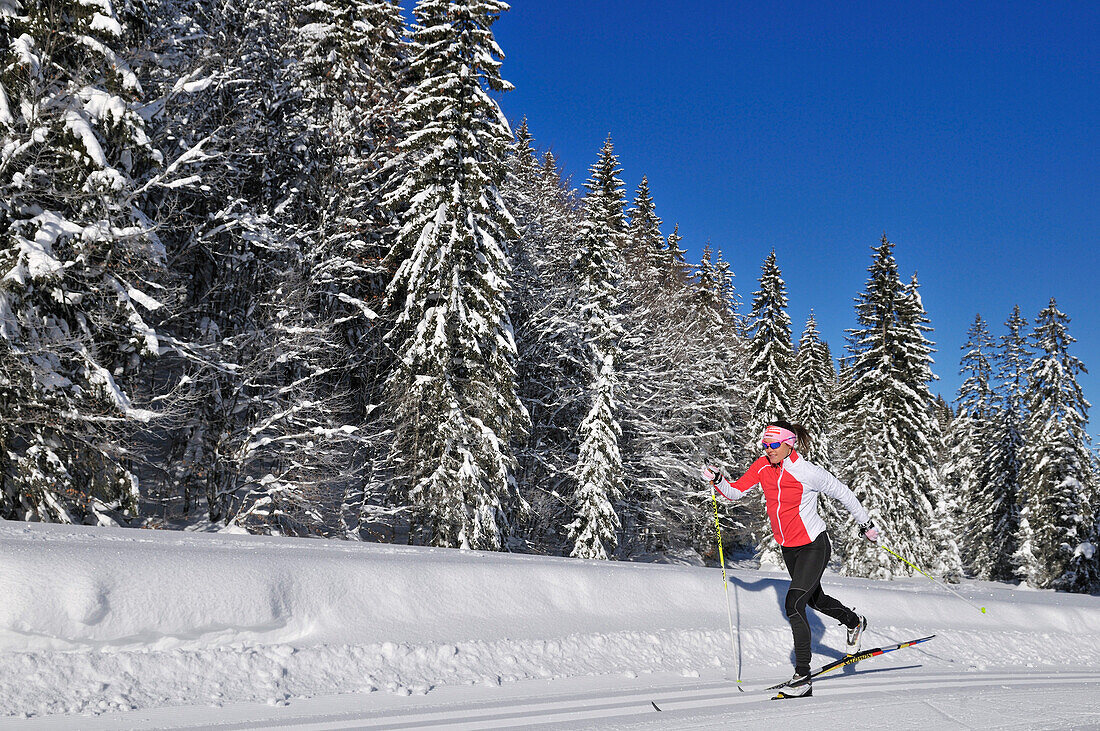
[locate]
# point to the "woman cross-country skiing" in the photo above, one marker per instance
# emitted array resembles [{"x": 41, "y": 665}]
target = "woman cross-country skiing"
[{"x": 791, "y": 486}]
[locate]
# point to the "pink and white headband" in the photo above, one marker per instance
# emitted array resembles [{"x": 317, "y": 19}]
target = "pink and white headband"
[{"x": 779, "y": 434}]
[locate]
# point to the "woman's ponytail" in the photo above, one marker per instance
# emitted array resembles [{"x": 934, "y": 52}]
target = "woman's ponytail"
[{"x": 805, "y": 441}]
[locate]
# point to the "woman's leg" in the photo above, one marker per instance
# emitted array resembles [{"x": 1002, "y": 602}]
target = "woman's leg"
[
  {"x": 805, "y": 564},
  {"x": 819, "y": 601}
]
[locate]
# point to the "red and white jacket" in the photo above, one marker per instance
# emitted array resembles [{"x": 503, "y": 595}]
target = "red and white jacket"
[{"x": 791, "y": 489}]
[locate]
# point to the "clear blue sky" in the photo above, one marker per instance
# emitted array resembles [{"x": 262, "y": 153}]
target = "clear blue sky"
[{"x": 967, "y": 132}]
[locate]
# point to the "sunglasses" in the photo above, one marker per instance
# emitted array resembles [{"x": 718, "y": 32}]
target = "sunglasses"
[{"x": 771, "y": 445}]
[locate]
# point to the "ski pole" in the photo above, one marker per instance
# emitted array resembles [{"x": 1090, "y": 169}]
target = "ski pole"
[
  {"x": 726, "y": 584},
  {"x": 933, "y": 578}
]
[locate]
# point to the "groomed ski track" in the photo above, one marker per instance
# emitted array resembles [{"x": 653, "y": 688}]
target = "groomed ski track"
[
  {"x": 114, "y": 628},
  {"x": 901, "y": 697}
]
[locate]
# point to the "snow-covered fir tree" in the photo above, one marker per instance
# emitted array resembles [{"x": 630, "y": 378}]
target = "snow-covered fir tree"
[
  {"x": 552, "y": 370},
  {"x": 711, "y": 299},
  {"x": 722, "y": 408},
  {"x": 677, "y": 272},
  {"x": 815, "y": 383},
  {"x": 290, "y": 459},
  {"x": 964, "y": 476},
  {"x": 680, "y": 401},
  {"x": 219, "y": 70},
  {"x": 348, "y": 56},
  {"x": 771, "y": 367},
  {"x": 645, "y": 241},
  {"x": 81, "y": 267},
  {"x": 771, "y": 373},
  {"x": 730, "y": 295},
  {"x": 1000, "y": 462},
  {"x": 947, "y": 561},
  {"x": 889, "y": 432},
  {"x": 453, "y": 392},
  {"x": 643, "y": 504},
  {"x": 320, "y": 100},
  {"x": 1057, "y": 521},
  {"x": 240, "y": 233},
  {"x": 598, "y": 271}
]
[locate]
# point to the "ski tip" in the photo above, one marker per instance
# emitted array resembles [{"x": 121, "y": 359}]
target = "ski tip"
[{"x": 655, "y": 706}]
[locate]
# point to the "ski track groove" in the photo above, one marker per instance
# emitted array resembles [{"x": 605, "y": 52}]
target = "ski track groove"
[
  {"x": 586, "y": 708},
  {"x": 945, "y": 714}
]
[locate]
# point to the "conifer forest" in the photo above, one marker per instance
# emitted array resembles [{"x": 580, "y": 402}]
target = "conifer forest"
[{"x": 285, "y": 267}]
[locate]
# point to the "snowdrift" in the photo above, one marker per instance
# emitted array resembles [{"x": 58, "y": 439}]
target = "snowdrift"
[{"x": 101, "y": 618}]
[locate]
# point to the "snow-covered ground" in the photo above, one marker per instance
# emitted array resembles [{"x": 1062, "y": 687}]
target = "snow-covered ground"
[{"x": 116, "y": 628}]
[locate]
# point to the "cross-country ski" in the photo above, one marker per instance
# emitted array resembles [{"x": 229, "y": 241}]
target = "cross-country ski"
[{"x": 839, "y": 663}]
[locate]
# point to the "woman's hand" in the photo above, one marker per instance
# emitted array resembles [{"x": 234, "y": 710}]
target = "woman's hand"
[
  {"x": 711, "y": 474},
  {"x": 870, "y": 531}
]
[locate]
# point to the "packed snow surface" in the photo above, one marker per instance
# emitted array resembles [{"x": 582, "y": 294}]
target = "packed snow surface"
[{"x": 157, "y": 629}]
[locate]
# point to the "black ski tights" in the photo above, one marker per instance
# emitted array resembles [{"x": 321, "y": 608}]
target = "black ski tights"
[{"x": 806, "y": 564}]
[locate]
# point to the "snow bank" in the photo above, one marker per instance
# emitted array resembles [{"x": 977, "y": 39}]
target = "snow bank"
[
  {"x": 131, "y": 589},
  {"x": 103, "y": 618}
]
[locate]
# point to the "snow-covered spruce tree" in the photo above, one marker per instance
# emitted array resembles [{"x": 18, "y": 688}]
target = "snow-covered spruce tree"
[
  {"x": 81, "y": 268},
  {"x": 597, "y": 269},
  {"x": 347, "y": 58},
  {"x": 552, "y": 370},
  {"x": 236, "y": 233},
  {"x": 677, "y": 272},
  {"x": 680, "y": 405},
  {"x": 946, "y": 559},
  {"x": 771, "y": 373},
  {"x": 643, "y": 260},
  {"x": 718, "y": 429},
  {"x": 815, "y": 381},
  {"x": 772, "y": 358},
  {"x": 453, "y": 391},
  {"x": 675, "y": 396},
  {"x": 966, "y": 443},
  {"x": 1000, "y": 461},
  {"x": 291, "y": 455},
  {"x": 217, "y": 72},
  {"x": 1058, "y": 501},
  {"x": 306, "y": 228},
  {"x": 944, "y": 413},
  {"x": 730, "y": 295},
  {"x": 645, "y": 241},
  {"x": 888, "y": 431}
]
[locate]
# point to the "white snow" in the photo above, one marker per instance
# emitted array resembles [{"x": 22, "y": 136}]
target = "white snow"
[
  {"x": 197, "y": 630},
  {"x": 129, "y": 78},
  {"x": 24, "y": 51},
  {"x": 102, "y": 379},
  {"x": 36, "y": 257},
  {"x": 77, "y": 123},
  {"x": 193, "y": 82},
  {"x": 106, "y": 24},
  {"x": 5, "y": 109},
  {"x": 99, "y": 104},
  {"x": 143, "y": 299}
]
